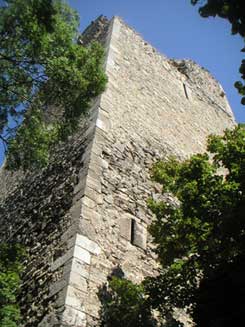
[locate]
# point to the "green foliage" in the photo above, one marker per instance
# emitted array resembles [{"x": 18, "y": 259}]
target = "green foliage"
[
  {"x": 228, "y": 9},
  {"x": 43, "y": 73},
  {"x": 233, "y": 11},
  {"x": 206, "y": 230},
  {"x": 200, "y": 243},
  {"x": 30, "y": 146},
  {"x": 11, "y": 257},
  {"x": 165, "y": 172},
  {"x": 124, "y": 304}
]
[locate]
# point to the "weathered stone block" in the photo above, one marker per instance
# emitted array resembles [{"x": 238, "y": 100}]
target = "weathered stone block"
[
  {"x": 125, "y": 227},
  {"x": 139, "y": 235},
  {"x": 77, "y": 281},
  {"x": 93, "y": 183},
  {"x": 93, "y": 195},
  {"x": 73, "y": 317},
  {"x": 77, "y": 266},
  {"x": 96, "y": 149},
  {"x": 91, "y": 204},
  {"x": 82, "y": 254},
  {"x": 75, "y": 298},
  {"x": 90, "y": 214},
  {"x": 103, "y": 121},
  {"x": 75, "y": 211},
  {"x": 87, "y": 244},
  {"x": 87, "y": 229}
]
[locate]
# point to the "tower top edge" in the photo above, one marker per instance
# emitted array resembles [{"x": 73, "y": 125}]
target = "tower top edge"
[
  {"x": 191, "y": 71},
  {"x": 187, "y": 69}
]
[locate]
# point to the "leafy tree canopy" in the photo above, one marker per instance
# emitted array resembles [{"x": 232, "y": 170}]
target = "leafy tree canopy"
[
  {"x": 206, "y": 231},
  {"x": 47, "y": 80},
  {"x": 228, "y": 9},
  {"x": 233, "y": 11}
]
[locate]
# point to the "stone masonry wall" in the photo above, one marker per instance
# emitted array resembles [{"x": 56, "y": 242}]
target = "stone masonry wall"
[
  {"x": 86, "y": 214},
  {"x": 149, "y": 110},
  {"x": 146, "y": 115}
]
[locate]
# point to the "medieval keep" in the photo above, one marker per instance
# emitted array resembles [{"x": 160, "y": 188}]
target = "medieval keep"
[{"x": 86, "y": 214}]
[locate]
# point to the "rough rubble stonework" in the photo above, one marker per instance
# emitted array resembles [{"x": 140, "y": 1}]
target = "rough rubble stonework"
[{"x": 85, "y": 214}]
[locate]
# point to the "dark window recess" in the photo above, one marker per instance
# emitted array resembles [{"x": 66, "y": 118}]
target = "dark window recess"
[
  {"x": 132, "y": 238},
  {"x": 185, "y": 90}
]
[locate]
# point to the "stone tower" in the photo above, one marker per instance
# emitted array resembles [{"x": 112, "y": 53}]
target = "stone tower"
[{"x": 86, "y": 214}]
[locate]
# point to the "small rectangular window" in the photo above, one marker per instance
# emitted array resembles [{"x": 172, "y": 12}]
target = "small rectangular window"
[
  {"x": 185, "y": 90},
  {"x": 133, "y": 223}
]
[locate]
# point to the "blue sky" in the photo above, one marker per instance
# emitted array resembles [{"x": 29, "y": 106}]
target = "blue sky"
[{"x": 175, "y": 28}]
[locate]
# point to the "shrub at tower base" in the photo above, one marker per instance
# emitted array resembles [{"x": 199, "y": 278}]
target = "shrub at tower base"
[{"x": 200, "y": 240}]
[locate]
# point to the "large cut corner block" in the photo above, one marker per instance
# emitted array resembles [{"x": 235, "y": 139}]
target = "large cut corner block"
[{"x": 86, "y": 244}]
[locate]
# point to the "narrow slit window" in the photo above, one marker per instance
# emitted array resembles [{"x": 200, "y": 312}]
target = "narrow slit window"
[
  {"x": 185, "y": 90},
  {"x": 132, "y": 238}
]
